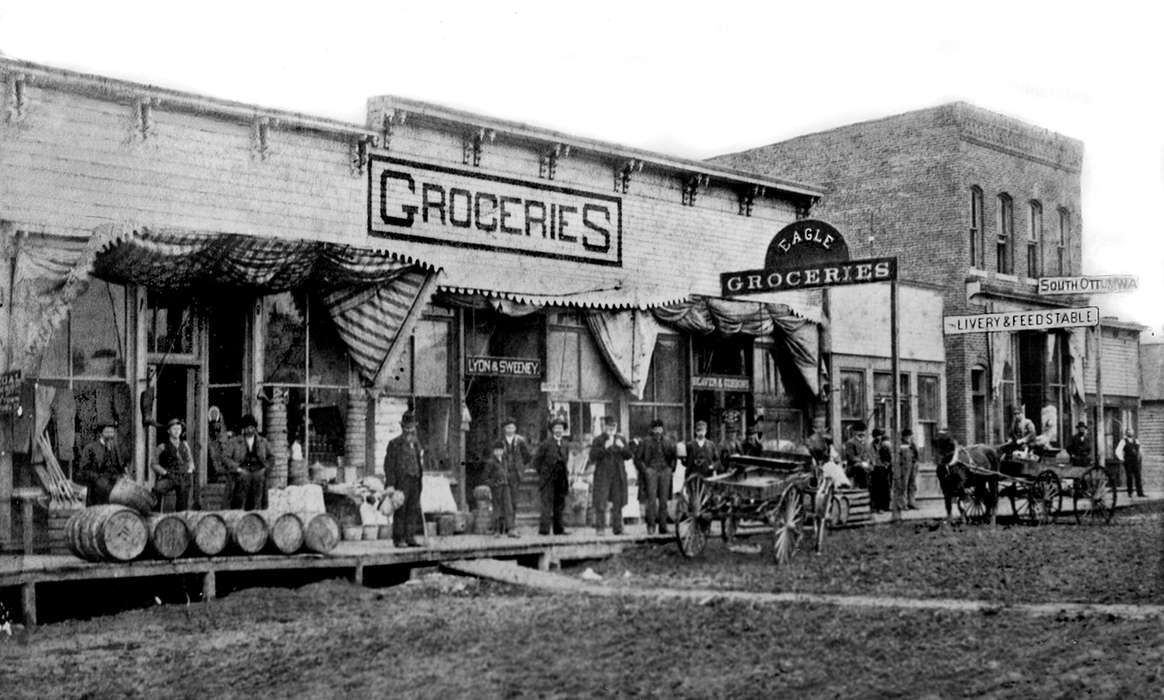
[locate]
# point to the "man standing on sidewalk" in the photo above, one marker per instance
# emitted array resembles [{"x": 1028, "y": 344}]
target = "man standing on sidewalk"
[
  {"x": 608, "y": 454},
  {"x": 1128, "y": 452},
  {"x": 551, "y": 460},
  {"x": 905, "y": 474},
  {"x": 656, "y": 462}
]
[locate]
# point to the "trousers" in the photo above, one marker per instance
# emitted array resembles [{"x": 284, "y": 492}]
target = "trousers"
[{"x": 658, "y": 489}]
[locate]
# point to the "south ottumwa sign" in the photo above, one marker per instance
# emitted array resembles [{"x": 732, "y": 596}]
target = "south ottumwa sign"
[
  {"x": 482, "y": 366},
  {"x": 824, "y": 274},
  {"x": 1010, "y": 321}
]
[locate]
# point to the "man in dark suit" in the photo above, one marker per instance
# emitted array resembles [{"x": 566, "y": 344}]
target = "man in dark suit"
[
  {"x": 608, "y": 454},
  {"x": 655, "y": 459},
  {"x": 248, "y": 458},
  {"x": 702, "y": 454},
  {"x": 403, "y": 470},
  {"x": 551, "y": 460},
  {"x": 101, "y": 465}
]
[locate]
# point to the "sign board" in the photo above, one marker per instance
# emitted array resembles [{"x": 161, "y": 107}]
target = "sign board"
[
  {"x": 825, "y": 274},
  {"x": 805, "y": 242},
  {"x": 1012, "y": 321},
  {"x": 482, "y": 366},
  {"x": 466, "y": 208},
  {"x": 10, "y": 391},
  {"x": 1051, "y": 286},
  {"x": 722, "y": 383}
]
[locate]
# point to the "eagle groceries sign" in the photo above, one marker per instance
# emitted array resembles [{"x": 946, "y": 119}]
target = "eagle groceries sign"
[
  {"x": 414, "y": 201},
  {"x": 1010, "y": 321},
  {"x": 1050, "y": 286}
]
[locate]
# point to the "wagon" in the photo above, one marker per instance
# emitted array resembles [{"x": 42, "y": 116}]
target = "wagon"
[
  {"x": 783, "y": 491},
  {"x": 1036, "y": 487}
]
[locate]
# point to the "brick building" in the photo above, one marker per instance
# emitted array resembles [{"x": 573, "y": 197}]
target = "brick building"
[{"x": 975, "y": 204}]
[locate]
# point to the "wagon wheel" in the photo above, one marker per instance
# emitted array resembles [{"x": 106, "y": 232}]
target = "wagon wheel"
[
  {"x": 1094, "y": 497},
  {"x": 1048, "y": 492},
  {"x": 971, "y": 505},
  {"x": 822, "y": 510},
  {"x": 692, "y": 518},
  {"x": 788, "y": 521}
]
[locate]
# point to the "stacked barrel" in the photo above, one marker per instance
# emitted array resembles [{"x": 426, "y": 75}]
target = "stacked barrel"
[{"x": 120, "y": 533}]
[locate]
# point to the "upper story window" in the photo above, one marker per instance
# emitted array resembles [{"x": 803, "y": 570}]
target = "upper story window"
[
  {"x": 975, "y": 225},
  {"x": 1064, "y": 236},
  {"x": 1005, "y": 234},
  {"x": 1034, "y": 235}
]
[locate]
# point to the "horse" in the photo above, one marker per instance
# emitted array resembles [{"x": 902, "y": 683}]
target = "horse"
[{"x": 976, "y": 493}]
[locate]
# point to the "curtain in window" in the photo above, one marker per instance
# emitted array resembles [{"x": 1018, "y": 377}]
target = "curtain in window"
[
  {"x": 627, "y": 341},
  {"x": 373, "y": 296},
  {"x": 1001, "y": 347},
  {"x": 1077, "y": 348}
]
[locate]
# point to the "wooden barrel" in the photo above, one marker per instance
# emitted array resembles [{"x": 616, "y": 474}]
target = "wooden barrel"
[
  {"x": 208, "y": 530},
  {"x": 286, "y": 531},
  {"x": 129, "y": 493},
  {"x": 169, "y": 535},
  {"x": 321, "y": 532},
  {"x": 107, "y": 533},
  {"x": 248, "y": 530}
]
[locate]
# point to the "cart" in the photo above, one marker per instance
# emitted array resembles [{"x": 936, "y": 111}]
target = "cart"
[
  {"x": 784, "y": 491},
  {"x": 1036, "y": 487}
]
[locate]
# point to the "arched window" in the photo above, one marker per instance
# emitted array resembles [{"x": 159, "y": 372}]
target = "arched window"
[
  {"x": 1005, "y": 245},
  {"x": 975, "y": 225},
  {"x": 1064, "y": 237},
  {"x": 1034, "y": 236}
]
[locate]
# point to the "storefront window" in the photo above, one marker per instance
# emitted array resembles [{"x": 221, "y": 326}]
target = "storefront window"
[
  {"x": 664, "y": 392},
  {"x": 169, "y": 324},
  {"x": 852, "y": 399},
  {"x": 715, "y": 354},
  {"x": 928, "y": 413}
]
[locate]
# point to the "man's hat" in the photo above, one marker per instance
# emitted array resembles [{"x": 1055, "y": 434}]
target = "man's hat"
[
  {"x": 175, "y": 421},
  {"x": 509, "y": 421},
  {"x": 499, "y": 444},
  {"x": 610, "y": 420},
  {"x": 700, "y": 424},
  {"x": 558, "y": 421},
  {"x": 907, "y": 433},
  {"x": 248, "y": 421},
  {"x": 408, "y": 419},
  {"x": 732, "y": 430},
  {"x": 751, "y": 430},
  {"x": 1081, "y": 424},
  {"x": 878, "y": 432},
  {"x": 860, "y": 427},
  {"x": 657, "y": 423}
]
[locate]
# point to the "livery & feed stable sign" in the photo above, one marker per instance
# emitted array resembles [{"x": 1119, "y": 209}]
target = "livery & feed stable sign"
[{"x": 1011, "y": 321}]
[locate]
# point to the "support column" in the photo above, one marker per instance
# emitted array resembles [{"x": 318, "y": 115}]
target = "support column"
[
  {"x": 356, "y": 431},
  {"x": 209, "y": 586},
  {"x": 277, "y": 437},
  {"x": 358, "y": 574},
  {"x": 28, "y": 604}
]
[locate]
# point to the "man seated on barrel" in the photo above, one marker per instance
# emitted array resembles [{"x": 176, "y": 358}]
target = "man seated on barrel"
[
  {"x": 173, "y": 467},
  {"x": 101, "y": 465},
  {"x": 248, "y": 457},
  {"x": 859, "y": 457}
]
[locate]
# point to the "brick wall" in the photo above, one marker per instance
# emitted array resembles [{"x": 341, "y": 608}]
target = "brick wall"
[{"x": 901, "y": 186}]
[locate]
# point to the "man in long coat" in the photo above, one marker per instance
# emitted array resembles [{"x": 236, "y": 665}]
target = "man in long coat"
[
  {"x": 101, "y": 466},
  {"x": 608, "y": 454},
  {"x": 655, "y": 459},
  {"x": 551, "y": 460},
  {"x": 403, "y": 470},
  {"x": 249, "y": 459}
]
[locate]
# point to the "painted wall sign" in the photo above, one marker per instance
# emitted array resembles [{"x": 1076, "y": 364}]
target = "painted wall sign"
[
  {"x": 1011, "y": 321},
  {"x": 826, "y": 274},
  {"x": 10, "y": 391},
  {"x": 503, "y": 366},
  {"x": 721, "y": 383},
  {"x": 1103, "y": 284},
  {"x": 805, "y": 242},
  {"x": 414, "y": 201}
]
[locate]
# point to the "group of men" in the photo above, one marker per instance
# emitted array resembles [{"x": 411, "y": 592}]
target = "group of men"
[{"x": 869, "y": 465}]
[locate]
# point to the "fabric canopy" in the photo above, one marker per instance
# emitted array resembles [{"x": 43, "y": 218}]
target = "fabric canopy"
[
  {"x": 797, "y": 339},
  {"x": 627, "y": 341},
  {"x": 374, "y": 297}
]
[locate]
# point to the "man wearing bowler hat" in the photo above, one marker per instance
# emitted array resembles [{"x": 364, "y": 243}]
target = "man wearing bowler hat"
[
  {"x": 608, "y": 454},
  {"x": 656, "y": 462},
  {"x": 249, "y": 458},
  {"x": 551, "y": 461},
  {"x": 404, "y": 470},
  {"x": 101, "y": 465},
  {"x": 173, "y": 467},
  {"x": 1079, "y": 447}
]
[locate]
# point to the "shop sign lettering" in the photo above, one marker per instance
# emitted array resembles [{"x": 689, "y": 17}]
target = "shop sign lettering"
[
  {"x": 442, "y": 205},
  {"x": 806, "y": 242},
  {"x": 721, "y": 383},
  {"x": 1101, "y": 284},
  {"x": 477, "y": 365},
  {"x": 806, "y": 276},
  {"x": 10, "y": 391},
  {"x": 1010, "y": 321}
]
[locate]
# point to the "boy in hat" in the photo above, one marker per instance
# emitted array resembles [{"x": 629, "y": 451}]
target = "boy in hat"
[
  {"x": 608, "y": 454},
  {"x": 752, "y": 446},
  {"x": 249, "y": 458},
  {"x": 173, "y": 467},
  {"x": 551, "y": 460},
  {"x": 101, "y": 465},
  {"x": 403, "y": 471},
  {"x": 1079, "y": 446},
  {"x": 503, "y": 476}
]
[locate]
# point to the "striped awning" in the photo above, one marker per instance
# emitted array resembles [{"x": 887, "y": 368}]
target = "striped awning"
[{"x": 374, "y": 297}]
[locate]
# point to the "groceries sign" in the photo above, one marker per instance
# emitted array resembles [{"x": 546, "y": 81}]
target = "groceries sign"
[
  {"x": 805, "y": 254},
  {"x": 413, "y": 201}
]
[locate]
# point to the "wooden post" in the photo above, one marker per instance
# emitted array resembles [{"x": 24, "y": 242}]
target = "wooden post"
[
  {"x": 358, "y": 574},
  {"x": 28, "y": 526},
  {"x": 28, "y": 603},
  {"x": 895, "y": 362},
  {"x": 209, "y": 586},
  {"x": 1100, "y": 427},
  {"x": 544, "y": 561}
]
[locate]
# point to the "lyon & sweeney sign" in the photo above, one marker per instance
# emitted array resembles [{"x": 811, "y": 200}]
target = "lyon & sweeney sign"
[
  {"x": 437, "y": 204},
  {"x": 479, "y": 365}
]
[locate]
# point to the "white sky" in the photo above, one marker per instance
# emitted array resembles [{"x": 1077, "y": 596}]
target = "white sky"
[{"x": 691, "y": 79}]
